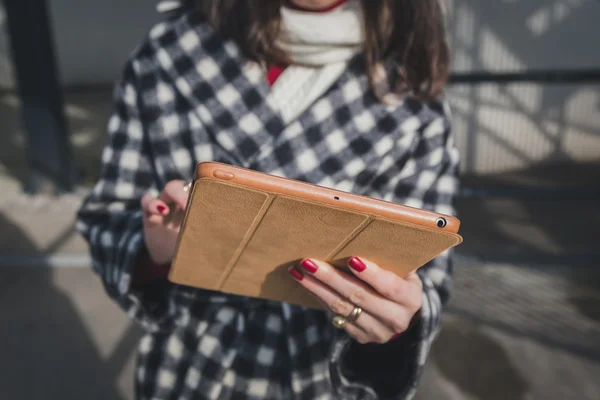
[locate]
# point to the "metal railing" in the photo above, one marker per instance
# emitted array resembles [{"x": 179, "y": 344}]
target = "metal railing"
[{"x": 539, "y": 77}]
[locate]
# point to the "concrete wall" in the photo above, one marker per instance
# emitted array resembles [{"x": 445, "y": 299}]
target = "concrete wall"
[{"x": 499, "y": 127}]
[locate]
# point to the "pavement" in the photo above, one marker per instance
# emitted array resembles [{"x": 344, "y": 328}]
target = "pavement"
[
  {"x": 520, "y": 325},
  {"x": 524, "y": 321}
]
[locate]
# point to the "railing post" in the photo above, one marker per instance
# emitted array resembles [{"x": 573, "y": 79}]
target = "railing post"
[{"x": 48, "y": 146}]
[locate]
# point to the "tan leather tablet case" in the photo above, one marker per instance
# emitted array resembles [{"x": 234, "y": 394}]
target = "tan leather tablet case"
[{"x": 242, "y": 240}]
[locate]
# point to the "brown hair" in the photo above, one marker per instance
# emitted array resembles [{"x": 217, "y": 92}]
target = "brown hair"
[{"x": 409, "y": 34}]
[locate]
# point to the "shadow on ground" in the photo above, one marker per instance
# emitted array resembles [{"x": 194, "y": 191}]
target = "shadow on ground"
[
  {"x": 532, "y": 269},
  {"x": 46, "y": 341},
  {"x": 458, "y": 354}
]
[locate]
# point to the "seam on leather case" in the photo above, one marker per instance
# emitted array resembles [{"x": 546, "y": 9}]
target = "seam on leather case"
[
  {"x": 361, "y": 227},
  {"x": 245, "y": 240}
]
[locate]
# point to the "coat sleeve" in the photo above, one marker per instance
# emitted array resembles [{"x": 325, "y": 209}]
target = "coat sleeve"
[
  {"x": 428, "y": 180},
  {"x": 111, "y": 218}
]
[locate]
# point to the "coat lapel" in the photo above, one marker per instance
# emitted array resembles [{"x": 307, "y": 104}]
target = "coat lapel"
[{"x": 228, "y": 92}]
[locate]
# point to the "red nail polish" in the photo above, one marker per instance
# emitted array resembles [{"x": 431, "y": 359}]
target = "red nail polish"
[
  {"x": 356, "y": 264},
  {"x": 161, "y": 209},
  {"x": 309, "y": 265},
  {"x": 296, "y": 274}
]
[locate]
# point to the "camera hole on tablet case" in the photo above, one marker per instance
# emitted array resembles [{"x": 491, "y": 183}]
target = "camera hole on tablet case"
[{"x": 441, "y": 222}]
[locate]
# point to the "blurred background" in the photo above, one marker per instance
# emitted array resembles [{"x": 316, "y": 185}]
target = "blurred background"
[{"x": 524, "y": 322}]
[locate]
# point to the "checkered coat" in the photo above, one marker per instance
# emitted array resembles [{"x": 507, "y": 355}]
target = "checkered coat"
[{"x": 188, "y": 95}]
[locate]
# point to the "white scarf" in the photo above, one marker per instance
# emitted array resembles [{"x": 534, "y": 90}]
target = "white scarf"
[
  {"x": 317, "y": 39},
  {"x": 319, "y": 45},
  {"x": 312, "y": 39}
]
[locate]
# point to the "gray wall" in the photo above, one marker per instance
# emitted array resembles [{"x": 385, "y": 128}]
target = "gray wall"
[
  {"x": 516, "y": 34},
  {"x": 498, "y": 127},
  {"x": 92, "y": 37}
]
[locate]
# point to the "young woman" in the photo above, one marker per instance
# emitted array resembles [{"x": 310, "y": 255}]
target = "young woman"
[{"x": 344, "y": 94}]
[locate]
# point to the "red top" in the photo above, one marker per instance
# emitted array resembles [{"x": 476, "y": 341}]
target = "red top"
[{"x": 275, "y": 71}]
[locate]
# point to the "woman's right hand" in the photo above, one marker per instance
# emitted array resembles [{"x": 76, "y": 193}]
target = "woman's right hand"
[{"x": 163, "y": 216}]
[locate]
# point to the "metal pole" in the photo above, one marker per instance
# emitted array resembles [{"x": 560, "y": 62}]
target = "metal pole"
[{"x": 49, "y": 148}]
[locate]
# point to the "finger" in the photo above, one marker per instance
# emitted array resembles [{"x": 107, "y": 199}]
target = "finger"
[
  {"x": 153, "y": 210},
  {"x": 357, "y": 333},
  {"x": 376, "y": 329},
  {"x": 145, "y": 201},
  {"x": 174, "y": 193},
  {"x": 404, "y": 291},
  {"x": 159, "y": 207},
  {"x": 152, "y": 205},
  {"x": 357, "y": 292},
  {"x": 153, "y": 220},
  {"x": 414, "y": 278},
  {"x": 354, "y": 329}
]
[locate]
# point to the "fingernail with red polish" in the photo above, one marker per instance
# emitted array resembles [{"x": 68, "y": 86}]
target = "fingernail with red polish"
[
  {"x": 161, "y": 209},
  {"x": 356, "y": 264},
  {"x": 296, "y": 274},
  {"x": 309, "y": 265}
]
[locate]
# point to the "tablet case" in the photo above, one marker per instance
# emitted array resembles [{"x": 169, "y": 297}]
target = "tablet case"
[{"x": 242, "y": 241}]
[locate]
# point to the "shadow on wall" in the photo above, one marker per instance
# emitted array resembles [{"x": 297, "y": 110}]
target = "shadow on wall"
[
  {"x": 47, "y": 345},
  {"x": 507, "y": 127}
]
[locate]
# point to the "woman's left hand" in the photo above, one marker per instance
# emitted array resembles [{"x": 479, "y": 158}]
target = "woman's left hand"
[{"x": 388, "y": 302}]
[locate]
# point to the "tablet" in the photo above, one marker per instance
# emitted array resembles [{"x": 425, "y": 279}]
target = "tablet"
[{"x": 243, "y": 229}]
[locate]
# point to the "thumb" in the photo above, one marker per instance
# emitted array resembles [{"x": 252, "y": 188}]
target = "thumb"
[
  {"x": 415, "y": 279},
  {"x": 174, "y": 193}
]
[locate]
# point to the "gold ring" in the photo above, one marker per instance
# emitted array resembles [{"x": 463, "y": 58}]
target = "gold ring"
[
  {"x": 339, "y": 321},
  {"x": 355, "y": 314},
  {"x": 187, "y": 187}
]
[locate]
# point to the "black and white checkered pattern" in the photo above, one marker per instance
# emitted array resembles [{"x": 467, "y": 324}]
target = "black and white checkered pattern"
[{"x": 188, "y": 96}]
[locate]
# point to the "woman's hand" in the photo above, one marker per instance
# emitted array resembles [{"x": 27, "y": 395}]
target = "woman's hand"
[
  {"x": 163, "y": 216},
  {"x": 388, "y": 301}
]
